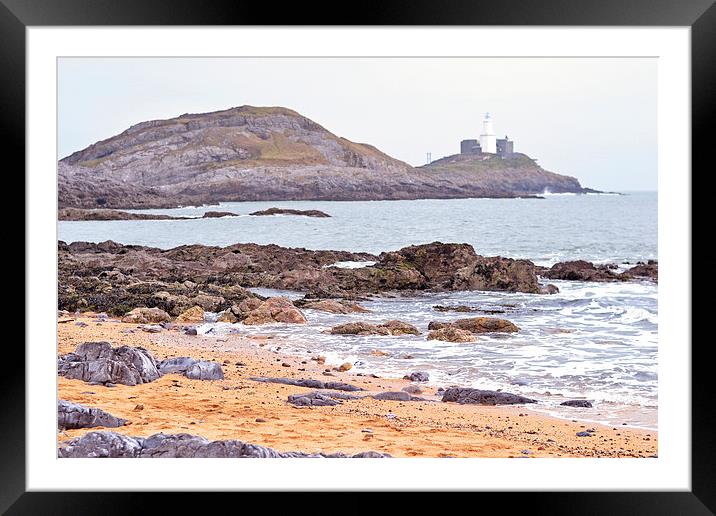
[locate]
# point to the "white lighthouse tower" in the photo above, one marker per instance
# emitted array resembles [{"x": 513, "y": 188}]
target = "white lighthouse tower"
[{"x": 488, "y": 141}]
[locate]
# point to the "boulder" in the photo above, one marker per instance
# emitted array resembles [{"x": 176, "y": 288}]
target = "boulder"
[
  {"x": 464, "y": 395},
  {"x": 418, "y": 376},
  {"x": 195, "y": 314},
  {"x": 205, "y": 370},
  {"x": 145, "y": 315},
  {"x": 191, "y": 368},
  {"x": 227, "y": 316},
  {"x": 580, "y": 270},
  {"x": 548, "y": 289},
  {"x": 451, "y": 334},
  {"x": 312, "y": 399},
  {"x": 99, "y": 362},
  {"x": 275, "y": 310},
  {"x": 365, "y": 328},
  {"x": 477, "y": 325},
  {"x": 112, "y": 445},
  {"x": 577, "y": 403},
  {"x": 644, "y": 270},
  {"x": 72, "y": 415}
]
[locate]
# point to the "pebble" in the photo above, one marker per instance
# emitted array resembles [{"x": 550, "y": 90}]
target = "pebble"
[
  {"x": 260, "y": 420},
  {"x": 139, "y": 407}
]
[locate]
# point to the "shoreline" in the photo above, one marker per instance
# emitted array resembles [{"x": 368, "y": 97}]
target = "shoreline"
[{"x": 239, "y": 408}]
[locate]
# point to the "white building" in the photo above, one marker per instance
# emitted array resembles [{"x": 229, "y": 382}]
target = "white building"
[{"x": 488, "y": 140}]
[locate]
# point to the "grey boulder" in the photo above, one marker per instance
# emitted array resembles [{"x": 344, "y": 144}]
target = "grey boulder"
[
  {"x": 72, "y": 415},
  {"x": 464, "y": 395},
  {"x": 191, "y": 368},
  {"x": 99, "y": 362}
]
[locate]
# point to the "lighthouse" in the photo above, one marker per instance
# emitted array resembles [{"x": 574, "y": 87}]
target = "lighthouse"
[{"x": 488, "y": 141}]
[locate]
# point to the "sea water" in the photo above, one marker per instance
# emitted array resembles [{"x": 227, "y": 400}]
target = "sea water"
[{"x": 596, "y": 341}]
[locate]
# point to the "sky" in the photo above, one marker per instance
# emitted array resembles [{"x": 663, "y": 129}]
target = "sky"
[{"x": 591, "y": 118}]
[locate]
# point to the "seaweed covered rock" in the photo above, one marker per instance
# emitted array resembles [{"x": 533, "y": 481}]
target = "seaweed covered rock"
[
  {"x": 392, "y": 327},
  {"x": 275, "y": 310},
  {"x": 477, "y": 325},
  {"x": 451, "y": 334}
]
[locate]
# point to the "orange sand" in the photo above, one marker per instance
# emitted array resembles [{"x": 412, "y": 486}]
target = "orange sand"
[{"x": 229, "y": 409}]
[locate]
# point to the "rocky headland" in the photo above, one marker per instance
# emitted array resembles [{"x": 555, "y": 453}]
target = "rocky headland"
[{"x": 272, "y": 153}]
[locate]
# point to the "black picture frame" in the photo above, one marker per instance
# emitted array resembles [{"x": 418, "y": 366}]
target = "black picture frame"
[{"x": 699, "y": 15}]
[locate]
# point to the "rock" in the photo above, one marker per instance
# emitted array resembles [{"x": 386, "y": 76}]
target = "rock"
[
  {"x": 335, "y": 307},
  {"x": 577, "y": 403},
  {"x": 310, "y": 383},
  {"x": 477, "y": 325},
  {"x": 227, "y": 316},
  {"x": 584, "y": 434},
  {"x": 379, "y": 353},
  {"x": 464, "y": 395},
  {"x": 345, "y": 366},
  {"x": 457, "y": 308},
  {"x": 152, "y": 328},
  {"x": 205, "y": 370},
  {"x": 648, "y": 270},
  {"x": 311, "y": 399},
  {"x": 190, "y": 331},
  {"x": 549, "y": 289},
  {"x": 217, "y": 214},
  {"x": 146, "y": 315},
  {"x": 99, "y": 362},
  {"x": 400, "y": 328},
  {"x": 419, "y": 376},
  {"x": 195, "y": 314},
  {"x": 412, "y": 389},
  {"x": 112, "y": 445},
  {"x": 451, "y": 334},
  {"x": 72, "y": 415},
  {"x": 273, "y": 310},
  {"x": 191, "y": 368},
  {"x": 287, "y": 211},
  {"x": 392, "y": 396},
  {"x": 458, "y": 267},
  {"x": 580, "y": 270},
  {"x": 364, "y": 328}
]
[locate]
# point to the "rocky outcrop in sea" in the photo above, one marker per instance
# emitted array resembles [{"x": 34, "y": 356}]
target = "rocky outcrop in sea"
[{"x": 117, "y": 278}]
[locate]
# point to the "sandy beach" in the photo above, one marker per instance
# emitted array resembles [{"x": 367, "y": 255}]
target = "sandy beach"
[{"x": 240, "y": 408}]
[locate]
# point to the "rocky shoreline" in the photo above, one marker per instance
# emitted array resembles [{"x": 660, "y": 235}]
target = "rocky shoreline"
[
  {"x": 116, "y": 278},
  {"x": 136, "y": 384}
]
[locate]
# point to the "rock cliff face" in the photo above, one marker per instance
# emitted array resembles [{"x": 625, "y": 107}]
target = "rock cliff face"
[{"x": 271, "y": 153}]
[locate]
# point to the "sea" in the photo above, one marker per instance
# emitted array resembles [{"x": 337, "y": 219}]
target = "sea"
[{"x": 594, "y": 341}]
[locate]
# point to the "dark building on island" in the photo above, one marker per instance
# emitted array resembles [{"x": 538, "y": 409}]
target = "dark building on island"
[
  {"x": 505, "y": 147},
  {"x": 470, "y": 147}
]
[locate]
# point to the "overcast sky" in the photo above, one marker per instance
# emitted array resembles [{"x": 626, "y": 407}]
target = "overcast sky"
[{"x": 591, "y": 118}]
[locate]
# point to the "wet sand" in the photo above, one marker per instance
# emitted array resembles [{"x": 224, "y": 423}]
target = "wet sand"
[{"x": 255, "y": 412}]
